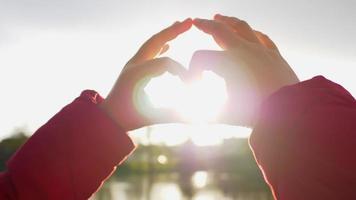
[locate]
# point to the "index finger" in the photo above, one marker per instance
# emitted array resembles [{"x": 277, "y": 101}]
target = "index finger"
[
  {"x": 154, "y": 45},
  {"x": 223, "y": 34},
  {"x": 239, "y": 26},
  {"x": 207, "y": 60}
]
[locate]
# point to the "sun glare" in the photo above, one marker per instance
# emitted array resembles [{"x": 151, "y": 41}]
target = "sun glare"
[
  {"x": 162, "y": 159},
  {"x": 200, "y": 179},
  {"x": 199, "y": 101},
  {"x": 199, "y": 134}
]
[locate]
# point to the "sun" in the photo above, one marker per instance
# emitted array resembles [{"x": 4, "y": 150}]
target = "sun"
[{"x": 197, "y": 102}]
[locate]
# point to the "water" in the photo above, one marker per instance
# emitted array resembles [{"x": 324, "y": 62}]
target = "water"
[{"x": 200, "y": 185}]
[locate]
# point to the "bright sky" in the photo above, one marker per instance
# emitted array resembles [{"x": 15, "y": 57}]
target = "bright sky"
[{"x": 51, "y": 50}]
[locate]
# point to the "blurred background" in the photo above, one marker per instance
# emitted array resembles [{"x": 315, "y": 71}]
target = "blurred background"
[{"x": 52, "y": 50}]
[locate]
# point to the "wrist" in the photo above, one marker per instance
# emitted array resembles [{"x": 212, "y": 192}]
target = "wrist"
[{"x": 113, "y": 112}]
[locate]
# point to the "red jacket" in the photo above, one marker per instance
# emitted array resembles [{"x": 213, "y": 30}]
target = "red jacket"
[
  {"x": 69, "y": 157},
  {"x": 304, "y": 143}
]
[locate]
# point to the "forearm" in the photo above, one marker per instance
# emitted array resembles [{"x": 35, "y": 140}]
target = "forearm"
[
  {"x": 302, "y": 130},
  {"x": 71, "y": 155}
]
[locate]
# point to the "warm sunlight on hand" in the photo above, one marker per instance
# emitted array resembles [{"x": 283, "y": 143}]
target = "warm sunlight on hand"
[
  {"x": 199, "y": 101},
  {"x": 126, "y": 103}
]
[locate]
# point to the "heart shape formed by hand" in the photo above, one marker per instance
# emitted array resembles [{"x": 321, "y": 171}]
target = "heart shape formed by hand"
[
  {"x": 249, "y": 62},
  {"x": 198, "y": 100}
]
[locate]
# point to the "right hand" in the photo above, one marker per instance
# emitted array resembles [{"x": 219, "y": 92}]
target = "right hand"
[{"x": 250, "y": 63}]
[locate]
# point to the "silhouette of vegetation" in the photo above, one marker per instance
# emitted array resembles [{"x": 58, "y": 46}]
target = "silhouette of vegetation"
[
  {"x": 9, "y": 146},
  {"x": 233, "y": 159},
  {"x": 232, "y": 165}
]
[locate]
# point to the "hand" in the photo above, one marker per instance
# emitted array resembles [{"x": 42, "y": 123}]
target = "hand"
[
  {"x": 127, "y": 102},
  {"x": 250, "y": 63}
]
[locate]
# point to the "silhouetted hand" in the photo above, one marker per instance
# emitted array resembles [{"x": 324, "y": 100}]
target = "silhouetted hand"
[
  {"x": 250, "y": 63},
  {"x": 127, "y": 102}
]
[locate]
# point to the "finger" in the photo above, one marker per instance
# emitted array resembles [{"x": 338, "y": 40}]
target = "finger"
[
  {"x": 142, "y": 74},
  {"x": 222, "y": 34},
  {"x": 207, "y": 60},
  {"x": 156, "y": 67},
  {"x": 239, "y": 26},
  {"x": 266, "y": 41},
  {"x": 153, "y": 46},
  {"x": 164, "y": 49}
]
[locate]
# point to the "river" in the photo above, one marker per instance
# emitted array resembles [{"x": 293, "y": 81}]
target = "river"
[{"x": 200, "y": 185}]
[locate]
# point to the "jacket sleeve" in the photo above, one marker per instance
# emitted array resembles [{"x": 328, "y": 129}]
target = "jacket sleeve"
[
  {"x": 69, "y": 157},
  {"x": 305, "y": 141}
]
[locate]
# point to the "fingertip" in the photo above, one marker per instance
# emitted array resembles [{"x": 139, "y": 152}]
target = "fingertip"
[
  {"x": 197, "y": 20},
  {"x": 188, "y": 20},
  {"x": 176, "y": 23},
  {"x": 258, "y": 32},
  {"x": 218, "y": 16},
  {"x": 184, "y": 25},
  {"x": 199, "y": 23}
]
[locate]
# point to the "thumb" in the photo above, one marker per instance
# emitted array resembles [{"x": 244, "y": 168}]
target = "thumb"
[{"x": 218, "y": 62}]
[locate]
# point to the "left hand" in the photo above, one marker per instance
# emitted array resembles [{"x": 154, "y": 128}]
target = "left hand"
[{"x": 127, "y": 103}]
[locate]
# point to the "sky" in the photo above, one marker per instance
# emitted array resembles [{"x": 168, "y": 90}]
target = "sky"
[{"x": 52, "y": 50}]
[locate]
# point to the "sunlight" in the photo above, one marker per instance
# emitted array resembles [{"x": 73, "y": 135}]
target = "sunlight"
[
  {"x": 200, "y": 179},
  {"x": 204, "y": 99},
  {"x": 165, "y": 91},
  {"x": 162, "y": 159},
  {"x": 169, "y": 191},
  {"x": 206, "y": 135},
  {"x": 199, "y": 134},
  {"x": 200, "y": 101}
]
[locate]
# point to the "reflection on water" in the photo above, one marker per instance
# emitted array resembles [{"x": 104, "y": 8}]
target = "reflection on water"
[{"x": 200, "y": 185}]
